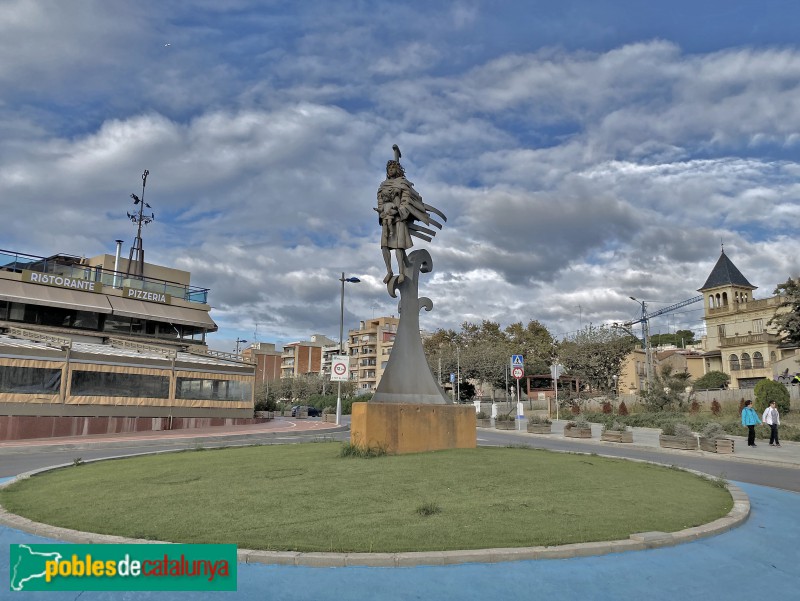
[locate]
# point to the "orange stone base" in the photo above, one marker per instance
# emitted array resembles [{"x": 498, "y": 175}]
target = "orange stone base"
[{"x": 407, "y": 428}]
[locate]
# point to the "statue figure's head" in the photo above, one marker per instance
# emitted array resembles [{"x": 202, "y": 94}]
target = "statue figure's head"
[{"x": 394, "y": 169}]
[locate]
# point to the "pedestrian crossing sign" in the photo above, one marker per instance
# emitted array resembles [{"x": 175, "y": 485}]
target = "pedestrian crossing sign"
[{"x": 516, "y": 361}]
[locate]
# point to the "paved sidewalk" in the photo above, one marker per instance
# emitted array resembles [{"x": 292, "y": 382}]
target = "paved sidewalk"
[{"x": 787, "y": 455}]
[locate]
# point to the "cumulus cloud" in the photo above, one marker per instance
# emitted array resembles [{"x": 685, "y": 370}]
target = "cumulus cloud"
[{"x": 572, "y": 178}]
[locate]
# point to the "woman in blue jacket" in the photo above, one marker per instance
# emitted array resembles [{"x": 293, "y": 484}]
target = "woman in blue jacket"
[{"x": 750, "y": 419}]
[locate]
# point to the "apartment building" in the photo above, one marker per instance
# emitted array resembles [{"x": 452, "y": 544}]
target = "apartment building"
[
  {"x": 369, "y": 349},
  {"x": 305, "y": 357},
  {"x": 267, "y": 360}
]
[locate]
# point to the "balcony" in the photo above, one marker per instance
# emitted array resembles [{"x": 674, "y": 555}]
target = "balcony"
[
  {"x": 753, "y": 305},
  {"x": 748, "y": 339}
]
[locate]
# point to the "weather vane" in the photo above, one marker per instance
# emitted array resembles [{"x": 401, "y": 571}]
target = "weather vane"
[{"x": 136, "y": 256}]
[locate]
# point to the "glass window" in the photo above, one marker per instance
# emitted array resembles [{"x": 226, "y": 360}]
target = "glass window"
[
  {"x": 758, "y": 360},
  {"x": 210, "y": 389},
  {"x": 30, "y": 380},
  {"x": 117, "y": 324},
  {"x": 96, "y": 383},
  {"x": 734, "y": 361},
  {"x": 746, "y": 361},
  {"x": 758, "y": 326}
]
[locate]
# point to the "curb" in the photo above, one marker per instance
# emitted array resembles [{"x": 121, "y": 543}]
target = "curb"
[{"x": 636, "y": 542}]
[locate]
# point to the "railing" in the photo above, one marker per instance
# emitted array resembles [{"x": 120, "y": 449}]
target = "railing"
[
  {"x": 16, "y": 262},
  {"x": 747, "y": 339},
  {"x": 140, "y": 346},
  {"x": 220, "y": 355},
  {"x": 48, "y": 339},
  {"x": 753, "y": 305}
]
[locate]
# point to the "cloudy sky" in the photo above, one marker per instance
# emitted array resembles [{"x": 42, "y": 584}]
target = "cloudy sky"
[{"x": 583, "y": 151}]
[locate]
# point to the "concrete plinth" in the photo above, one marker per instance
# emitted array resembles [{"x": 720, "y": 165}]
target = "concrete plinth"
[{"x": 411, "y": 428}]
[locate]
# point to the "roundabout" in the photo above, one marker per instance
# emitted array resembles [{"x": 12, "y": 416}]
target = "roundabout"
[{"x": 306, "y": 505}]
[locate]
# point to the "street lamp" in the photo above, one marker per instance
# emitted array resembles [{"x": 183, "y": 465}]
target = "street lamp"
[
  {"x": 238, "y": 342},
  {"x": 352, "y": 280}
]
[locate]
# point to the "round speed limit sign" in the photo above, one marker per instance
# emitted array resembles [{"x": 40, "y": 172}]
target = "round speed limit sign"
[
  {"x": 517, "y": 372},
  {"x": 340, "y": 369}
]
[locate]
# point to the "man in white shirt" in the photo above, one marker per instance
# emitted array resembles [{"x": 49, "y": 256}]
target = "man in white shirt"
[{"x": 772, "y": 418}]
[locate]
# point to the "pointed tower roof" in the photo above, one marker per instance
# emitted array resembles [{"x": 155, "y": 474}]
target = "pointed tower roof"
[{"x": 725, "y": 273}]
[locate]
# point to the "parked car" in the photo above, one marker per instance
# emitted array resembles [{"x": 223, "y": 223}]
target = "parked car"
[{"x": 312, "y": 411}]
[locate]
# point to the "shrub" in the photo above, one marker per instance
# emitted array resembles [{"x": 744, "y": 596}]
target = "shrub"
[
  {"x": 607, "y": 407},
  {"x": 676, "y": 429},
  {"x": 539, "y": 419},
  {"x": 328, "y": 410},
  {"x": 712, "y": 381},
  {"x": 694, "y": 407},
  {"x": 623, "y": 408},
  {"x": 504, "y": 417},
  {"x": 715, "y": 407},
  {"x": 741, "y": 406},
  {"x": 481, "y": 415},
  {"x": 767, "y": 391},
  {"x": 615, "y": 427},
  {"x": 575, "y": 409},
  {"x": 579, "y": 422},
  {"x": 713, "y": 430}
]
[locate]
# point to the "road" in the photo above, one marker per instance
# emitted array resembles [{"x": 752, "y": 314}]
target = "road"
[{"x": 14, "y": 461}]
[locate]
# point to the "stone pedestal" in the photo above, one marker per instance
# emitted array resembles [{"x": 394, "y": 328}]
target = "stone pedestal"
[{"x": 413, "y": 428}]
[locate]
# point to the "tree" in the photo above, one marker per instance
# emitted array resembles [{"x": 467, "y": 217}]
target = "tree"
[
  {"x": 787, "y": 317},
  {"x": 769, "y": 390},
  {"x": 534, "y": 342},
  {"x": 595, "y": 355},
  {"x": 680, "y": 339},
  {"x": 712, "y": 381},
  {"x": 668, "y": 390}
]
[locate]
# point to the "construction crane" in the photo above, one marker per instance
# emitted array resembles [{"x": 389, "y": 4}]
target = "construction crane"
[{"x": 645, "y": 321}]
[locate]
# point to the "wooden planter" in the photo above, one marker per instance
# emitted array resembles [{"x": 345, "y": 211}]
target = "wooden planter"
[
  {"x": 685, "y": 443},
  {"x": 483, "y": 423},
  {"x": 716, "y": 445},
  {"x": 505, "y": 425},
  {"x": 329, "y": 418},
  {"x": 540, "y": 428},
  {"x": 615, "y": 436},
  {"x": 578, "y": 432},
  {"x": 287, "y": 413}
]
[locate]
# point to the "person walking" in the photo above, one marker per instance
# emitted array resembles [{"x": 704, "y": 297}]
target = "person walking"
[
  {"x": 773, "y": 418},
  {"x": 750, "y": 419}
]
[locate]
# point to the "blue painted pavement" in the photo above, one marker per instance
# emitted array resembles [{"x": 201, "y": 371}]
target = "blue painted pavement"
[{"x": 759, "y": 559}]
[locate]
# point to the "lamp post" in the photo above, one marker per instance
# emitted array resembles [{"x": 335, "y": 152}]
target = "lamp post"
[
  {"x": 648, "y": 354},
  {"x": 238, "y": 342},
  {"x": 458, "y": 374},
  {"x": 352, "y": 280}
]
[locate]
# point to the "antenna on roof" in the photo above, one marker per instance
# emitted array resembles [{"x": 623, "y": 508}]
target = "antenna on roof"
[{"x": 137, "y": 252}]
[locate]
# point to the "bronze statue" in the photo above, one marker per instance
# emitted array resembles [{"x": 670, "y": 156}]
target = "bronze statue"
[{"x": 400, "y": 206}]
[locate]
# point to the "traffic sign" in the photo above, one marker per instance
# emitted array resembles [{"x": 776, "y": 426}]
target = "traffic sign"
[
  {"x": 556, "y": 371},
  {"x": 516, "y": 361},
  {"x": 517, "y": 372},
  {"x": 452, "y": 378},
  {"x": 340, "y": 368}
]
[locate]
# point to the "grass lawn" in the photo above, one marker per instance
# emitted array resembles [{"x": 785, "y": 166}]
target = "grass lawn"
[{"x": 305, "y": 497}]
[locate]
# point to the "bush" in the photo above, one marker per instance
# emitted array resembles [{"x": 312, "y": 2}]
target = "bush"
[
  {"x": 768, "y": 391},
  {"x": 575, "y": 409},
  {"x": 714, "y": 431},
  {"x": 741, "y": 406},
  {"x": 481, "y": 415},
  {"x": 504, "y": 417},
  {"x": 538, "y": 419},
  {"x": 579, "y": 422},
  {"x": 676, "y": 429},
  {"x": 607, "y": 407},
  {"x": 623, "y": 408},
  {"x": 712, "y": 381},
  {"x": 694, "y": 407},
  {"x": 715, "y": 407},
  {"x": 615, "y": 427}
]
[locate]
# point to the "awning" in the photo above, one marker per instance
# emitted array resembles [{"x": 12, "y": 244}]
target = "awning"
[
  {"x": 130, "y": 307},
  {"x": 50, "y": 296}
]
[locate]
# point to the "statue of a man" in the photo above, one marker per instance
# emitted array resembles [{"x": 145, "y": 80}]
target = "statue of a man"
[{"x": 399, "y": 206}]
